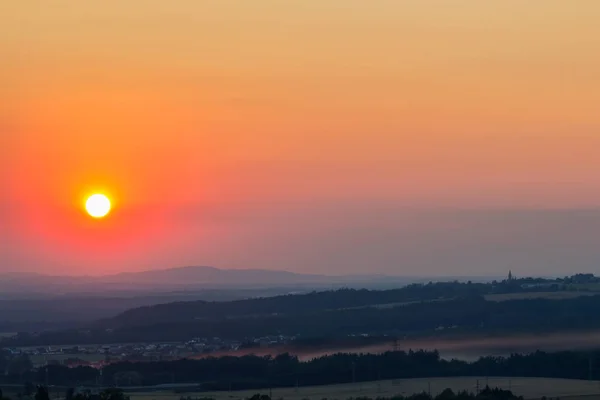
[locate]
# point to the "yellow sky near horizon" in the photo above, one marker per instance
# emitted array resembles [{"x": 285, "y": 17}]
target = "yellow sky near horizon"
[{"x": 423, "y": 103}]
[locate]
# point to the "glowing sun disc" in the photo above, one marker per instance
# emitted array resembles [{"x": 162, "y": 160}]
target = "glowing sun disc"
[{"x": 97, "y": 205}]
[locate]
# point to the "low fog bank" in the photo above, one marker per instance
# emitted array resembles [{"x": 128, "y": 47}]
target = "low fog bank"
[{"x": 467, "y": 349}]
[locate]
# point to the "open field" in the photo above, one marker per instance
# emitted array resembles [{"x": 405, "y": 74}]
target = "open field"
[
  {"x": 585, "y": 286},
  {"x": 538, "y": 295},
  {"x": 530, "y": 388}
]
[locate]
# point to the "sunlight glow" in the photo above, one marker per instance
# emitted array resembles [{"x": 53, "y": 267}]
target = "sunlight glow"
[{"x": 97, "y": 205}]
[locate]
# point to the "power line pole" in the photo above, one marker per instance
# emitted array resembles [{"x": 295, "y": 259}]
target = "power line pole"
[{"x": 269, "y": 373}]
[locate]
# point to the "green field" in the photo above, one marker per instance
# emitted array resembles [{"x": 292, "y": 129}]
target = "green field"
[{"x": 530, "y": 388}]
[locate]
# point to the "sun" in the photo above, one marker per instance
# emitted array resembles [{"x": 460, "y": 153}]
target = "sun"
[{"x": 97, "y": 205}]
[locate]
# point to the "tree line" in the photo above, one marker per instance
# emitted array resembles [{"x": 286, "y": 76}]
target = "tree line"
[{"x": 253, "y": 372}]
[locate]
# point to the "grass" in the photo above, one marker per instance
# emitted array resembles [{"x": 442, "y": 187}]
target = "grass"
[
  {"x": 530, "y": 388},
  {"x": 538, "y": 295}
]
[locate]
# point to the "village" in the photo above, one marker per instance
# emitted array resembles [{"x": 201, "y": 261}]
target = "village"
[{"x": 97, "y": 356}]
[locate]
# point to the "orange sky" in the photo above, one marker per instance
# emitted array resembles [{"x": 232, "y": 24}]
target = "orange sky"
[{"x": 226, "y": 132}]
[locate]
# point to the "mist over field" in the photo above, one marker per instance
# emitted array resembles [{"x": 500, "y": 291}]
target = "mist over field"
[{"x": 461, "y": 348}]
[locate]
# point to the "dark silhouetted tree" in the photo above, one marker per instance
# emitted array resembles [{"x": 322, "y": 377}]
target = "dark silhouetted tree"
[
  {"x": 42, "y": 393},
  {"x": 28, "y": 388}
]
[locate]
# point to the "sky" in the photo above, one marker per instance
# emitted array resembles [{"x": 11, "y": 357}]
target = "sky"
[{"x": 413, "y": 137}]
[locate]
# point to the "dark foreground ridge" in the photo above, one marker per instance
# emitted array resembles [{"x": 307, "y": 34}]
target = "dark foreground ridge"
[{"x": 42, "y": 393}]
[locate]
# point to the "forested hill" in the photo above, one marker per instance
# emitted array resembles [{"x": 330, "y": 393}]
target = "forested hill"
[
  {"x": 338, "y": 300},
  {"x": 411, "y": 311},
  {"x": 294, "y": 304}
]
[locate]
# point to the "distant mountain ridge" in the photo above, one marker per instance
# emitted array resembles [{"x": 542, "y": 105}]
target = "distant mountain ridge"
[
  {"x": 212, "y": 275},
  {"x": 182, "y": 279}
]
